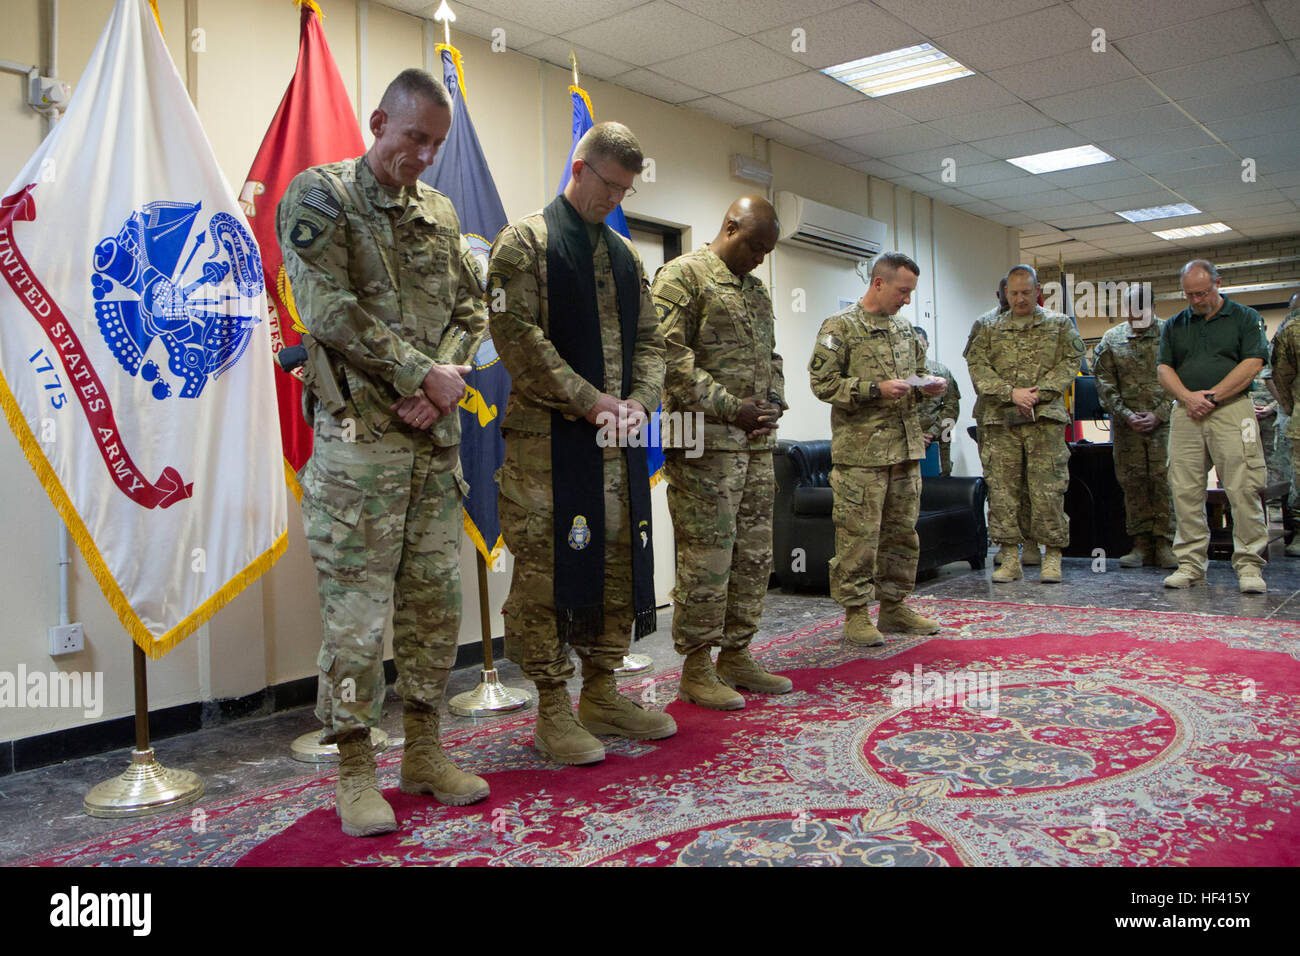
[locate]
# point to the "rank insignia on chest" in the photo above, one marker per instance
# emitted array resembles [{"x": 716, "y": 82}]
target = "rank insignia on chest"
[{"x": 579, "y": 534}]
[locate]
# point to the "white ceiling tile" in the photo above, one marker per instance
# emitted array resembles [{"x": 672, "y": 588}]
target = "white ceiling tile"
[
  {"x": 1133, "y": 93},
  {"x": 1087, "y": 225},
  {"x": 847, "y": 33},
  {"x": 660, "y": 87},
  {"x": 955, "y": 197},
  {"x": 995, "y": 171},
  {"x": 1286, "y": 15},
  {"x": 1229, "y": 173},
  {"x": 880, "y": 169},
  {"x": 1033, "y": 203},
  {"x": 590, "y": 63},
  {"x": 834, "y": 152},
  {"x": 1122, "y": 18},
  {"x": 1072, "y": 210},
  {"x": 981, "y": 207},
  {"x": 649, "y": 33},
  {"x": 1136, "y": 147},
  {"x": 1256, "y": 124},
  {"x": 1180, "y": 159},
  {"x": 725, "y": 110},
  {"x": 1269, "y": 95},
  {"x": 783, "y": 133},
  {"x": 729, "y": 66},
  {"x": 1028, "y": 143},
  {"x": 930, "y": 161},
  {"x": 550, "y": 17},
  {"x": 1084, "y": 176},
  {"x": 1141, "y": 122},
  {"x": 904, "y": 139},
  {"x": 1013, "y": 219},
  {"x": 1143, "y": 200},
  {"x": 1203, "y": 39},
  {"x": 1226, "y": 72},
  {"x": 480, "y": 23},
  {"x": 1110, "y": 190},
  {"x": 1117, "y": 230},
  {"x": 804, "y": 93},
  {"x": 966, "y": 95},
  {"x": 1013, "y": 118},
  {"x": 1041, "y": 33},
  {"x": 1076, "y": 69},
  {"x": 751, "y": 16},
  {"x": 938, "y": 17},
  {"x": 842, "y": 122},
  {"x": 1022, "y": 188}
]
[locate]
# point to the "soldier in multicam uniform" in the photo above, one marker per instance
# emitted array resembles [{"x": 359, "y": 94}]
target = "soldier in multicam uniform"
[
  {"x": 1285, "y": 383},
  {"x": 1125, "y": 365},
  {"x": 1021, "y": 363},
  {"x": 394, "y": 306},
  {"x": 938, "y": 415},
  {"x": 720, "y": 333},
  {"x": 859, "y": 365},
  {"x": 1030, "y": 555},
  {"x": 612, "y": 332}
]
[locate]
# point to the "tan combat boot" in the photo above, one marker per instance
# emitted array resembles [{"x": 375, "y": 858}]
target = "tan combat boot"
[
  {"x": 558, "y": 735},
  {"x": 700, "y": 685},
  {"x": 1006, "y": 552},
  {"x": 859, "y": 630},
  {"x": 360, "y": 805},
  {"x": 1140, "y": 553},
  {"x": 1185, "y": 577},
  {"x": 1165, "y": 557},
  {"x": 1009, "y": 569},
  {"x": 1293, "y": 549},
  {"x": 603, "y": 710},
  {"x": 897, "y": 617},
  {"x": 1031, "y": 556},
  {"x": 426, "y": 769},
  {"x": 738, "y": 668},
  {"x": 1051, "y": 570}
]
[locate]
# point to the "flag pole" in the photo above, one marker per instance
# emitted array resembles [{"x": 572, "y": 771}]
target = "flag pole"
[{"x": 145, "y": 786}]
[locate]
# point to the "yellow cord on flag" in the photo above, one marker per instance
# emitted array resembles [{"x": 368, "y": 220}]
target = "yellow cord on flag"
[
  {"x": 460, "y": 65},
  {"x": 310, "y": 3},
  {"x": 585, "y": 98},
  {"x": 153, "y": 5}
]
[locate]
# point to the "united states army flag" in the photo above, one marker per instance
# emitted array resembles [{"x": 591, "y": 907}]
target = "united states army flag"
[{"x": 135, "y": 360}]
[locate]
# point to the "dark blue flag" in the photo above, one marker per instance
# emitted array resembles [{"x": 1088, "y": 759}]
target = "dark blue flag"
[
  {"x": 460, "y": 172},
  {"x": 583, "y": 121}
]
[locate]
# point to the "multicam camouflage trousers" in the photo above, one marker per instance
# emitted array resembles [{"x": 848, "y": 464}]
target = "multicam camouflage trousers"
[
  {"x": 531, "y": 637},
  {"x": 383, "y": 521},
  {"x": 1033, "y": 456},
  {"x": 721, "y": 505},
  {"x": 1142, "y": 470},
  {"x": 876, "y": 544}
]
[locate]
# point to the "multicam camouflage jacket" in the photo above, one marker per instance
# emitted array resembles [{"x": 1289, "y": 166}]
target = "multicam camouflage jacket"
[
  {"x": 1042, "y": 349},
  {"x": 1125, "y": 365}
]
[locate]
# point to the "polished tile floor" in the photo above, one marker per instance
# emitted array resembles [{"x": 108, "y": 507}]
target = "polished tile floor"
[{"x": 41, "y": 809}]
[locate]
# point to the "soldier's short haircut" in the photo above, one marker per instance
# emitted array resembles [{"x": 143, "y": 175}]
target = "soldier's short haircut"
[
  {"x": 1204, "y": 264},
  {"x": 920, "y": 333},
  {"x": 614, "y": 141},
  {"x": 1027, "y": 270},
  {"x": 887, "y": 265},
  {"x": 414, "y": 82}
]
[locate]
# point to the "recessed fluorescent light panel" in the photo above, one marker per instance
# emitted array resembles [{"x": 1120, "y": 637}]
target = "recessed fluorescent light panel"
[
  {"x": 1190, "y": 232},
  {"x": 1158, "y": 212},
  {"x": 901, "y": 70},
  {"x": 1059, "y": 159}
]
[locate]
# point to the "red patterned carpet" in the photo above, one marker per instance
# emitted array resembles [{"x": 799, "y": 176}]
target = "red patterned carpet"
[{"x": 1019, "y": 735}]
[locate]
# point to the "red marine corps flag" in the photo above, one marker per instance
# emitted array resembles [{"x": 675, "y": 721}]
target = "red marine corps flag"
[
  {"x": 135, "y": 356},
  {"x": 315, "y": 124}
]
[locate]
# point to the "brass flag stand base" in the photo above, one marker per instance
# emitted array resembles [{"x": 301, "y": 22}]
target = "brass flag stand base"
[
  {"x": 634, "y": 664},
  {"x": 145, "y": 786},
  {"x": 490, "y": 696},
  {"x": 309, "y": 749}
]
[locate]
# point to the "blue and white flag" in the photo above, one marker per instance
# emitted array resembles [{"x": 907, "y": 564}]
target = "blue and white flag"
[
  {"x": 460, "y": 172},
  {"x": 135, "y": 356}
]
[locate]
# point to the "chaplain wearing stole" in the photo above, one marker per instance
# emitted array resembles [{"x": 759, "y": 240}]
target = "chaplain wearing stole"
[{"x": 572, "y": 319}]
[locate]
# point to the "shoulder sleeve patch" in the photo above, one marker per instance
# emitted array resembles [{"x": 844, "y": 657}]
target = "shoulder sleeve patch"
[
  {"x": 320, "y": 199},
  {"x": 671, "y": 293},
  {"x": 509, "y": 255},
  {"x": 831, "y": 342}
]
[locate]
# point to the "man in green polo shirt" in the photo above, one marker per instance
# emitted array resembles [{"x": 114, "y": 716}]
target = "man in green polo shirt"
[{"x": 1209, "y": 354}]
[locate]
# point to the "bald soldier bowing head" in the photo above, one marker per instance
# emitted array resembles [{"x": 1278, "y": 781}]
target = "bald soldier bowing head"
[{"x": 724, "y": 381}]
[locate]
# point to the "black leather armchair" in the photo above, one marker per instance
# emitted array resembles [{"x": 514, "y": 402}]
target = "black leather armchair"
[{"x": 951, "y": 524}]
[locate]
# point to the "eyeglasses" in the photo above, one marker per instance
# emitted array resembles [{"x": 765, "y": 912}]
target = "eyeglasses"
[{"x": 623, "y": 192}]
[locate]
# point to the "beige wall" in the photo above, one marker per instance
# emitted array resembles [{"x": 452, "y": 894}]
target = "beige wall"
[{"x": 270, "y": 634}]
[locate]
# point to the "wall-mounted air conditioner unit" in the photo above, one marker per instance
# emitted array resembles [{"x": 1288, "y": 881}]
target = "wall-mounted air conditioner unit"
[{"x": 836, "y": 232}]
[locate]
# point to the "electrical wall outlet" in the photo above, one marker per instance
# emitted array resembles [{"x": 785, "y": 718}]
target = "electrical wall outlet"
[{"x": 67, "y": 639}]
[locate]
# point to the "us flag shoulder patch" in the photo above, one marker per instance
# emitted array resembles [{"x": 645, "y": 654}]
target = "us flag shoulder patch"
[
  {"x": 319, "y": 199},
  {"x": 831, "y": 342}
]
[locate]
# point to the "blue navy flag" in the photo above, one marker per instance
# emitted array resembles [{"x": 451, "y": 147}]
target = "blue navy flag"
[
  {"x": 583, "y": 120},
  {"x": 461, "y": 173}
]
